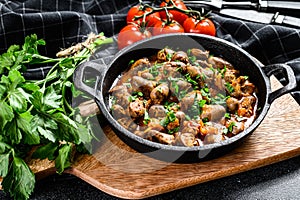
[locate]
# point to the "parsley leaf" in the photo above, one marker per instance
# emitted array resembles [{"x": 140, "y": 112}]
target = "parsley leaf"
[
  {"x": 24, "y": 124},
  {"x": 6, "y": 114},
  {"x": 12, "y": 132},
  {"x": 20, "y": 180},
  {"x": 63, "y": 159},
  {"x": 46, "y": 151},
  {"x": 4, "y": 163},
  {"x": 229, "y": 87}
]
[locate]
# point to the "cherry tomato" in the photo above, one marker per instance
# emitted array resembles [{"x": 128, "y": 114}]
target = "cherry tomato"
[
  {"x": 132, "y": 33},
  {"x": 204, "y": 26},
  {"x": 177, "y": 15},
  {"x": 138, "y": 10},
  {"x": 165, "y": 27}
]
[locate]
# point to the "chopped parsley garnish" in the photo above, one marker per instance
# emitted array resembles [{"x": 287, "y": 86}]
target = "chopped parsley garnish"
[
  {"x": 213, "y": 69},
  {"x": 140, "y": 94},
  {"x": 171, "y": 116},
  {"x": 146, "y": 117},
  {"x": 131, "y": 62},
  {"x": 196, "y": 109},
  {"x": 169, "y": 56},
  {"x": 190, "y": 80},
  {"x": 128, "y": 85},
  {"x": 134, "y": 96},
  {"x": 229, "y": 87},
  {"x": 227, "y": 115},
  {"x": 131, "y": 98},
  {"x": 174, "y": 130},
  {"x": 205, "y": 92},
  {"x": 205, "y": 120},
  {"x": 231, "y": 125},
  {"x": 113, "y": 100},
  {"x": 201, "y": 103},
  {"x": 188, "y": 118},
  {"x": 220, "y": 99},
  {"x": 222, "y": 71},
  {"x": 229, "y": 129},
  {"x": 192, "y": 59},
  {"x": 154, "y": 69}
]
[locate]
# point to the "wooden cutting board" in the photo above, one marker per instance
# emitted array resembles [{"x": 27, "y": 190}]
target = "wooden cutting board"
[{"x": 120, "y": 171}]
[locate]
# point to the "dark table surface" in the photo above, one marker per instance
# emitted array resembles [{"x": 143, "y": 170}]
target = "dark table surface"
[{"x": 277, "y": 181}]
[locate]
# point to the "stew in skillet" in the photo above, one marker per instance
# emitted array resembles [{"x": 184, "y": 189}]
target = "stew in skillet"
[{"x": 183, "y": 98}]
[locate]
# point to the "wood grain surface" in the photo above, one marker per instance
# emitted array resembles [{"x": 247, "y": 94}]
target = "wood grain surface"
[{"x": 120, "y": 171}]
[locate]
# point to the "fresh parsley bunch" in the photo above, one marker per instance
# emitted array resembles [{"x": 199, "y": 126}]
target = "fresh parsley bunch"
[{"x": 38, "y": 114}]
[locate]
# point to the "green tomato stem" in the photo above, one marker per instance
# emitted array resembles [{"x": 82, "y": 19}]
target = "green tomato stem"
[{"x": 197, "y": 14}]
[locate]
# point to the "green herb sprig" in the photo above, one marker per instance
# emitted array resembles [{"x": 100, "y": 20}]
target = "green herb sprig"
[{"x": 38, "y": 113}]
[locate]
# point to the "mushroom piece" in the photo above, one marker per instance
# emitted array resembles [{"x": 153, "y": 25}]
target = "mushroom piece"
[
  {"x": 204, "y": 63},
  {"x": 180, "y": 56},
  {"x": 140, "y": 84},
  {"x": 219, "y": 82},
  {"x": 238, "y": 127},
  {"x": 248, "y": 88},
  {"x": 218, "y": 62},
  {"x": 144, "y": 62},
  {"x": 208, "y": 73},
  {"x": 246, "y": 106},
  {"x": 137, "y": 108},
  {"x": 188, "y": 100},
  {"x": 230, "y": 75},
  {"x": 191, "y": 127},
  {"x": 193, "y": 71},
  {"x": 169, "y": 71},
  {"x": 211, "y": 128},
  {"x": 119, "y": 111},
  {"x": 127, "y": 123},
  {"x": 247, "y": 102},
  {"x": 146, "y": 75},
  {"x": 172, "y": 126},
  {"x": 187, "y": 139},
  {"x": 179, "y": 87},
  {"x": 213, "y": 138},
  {"x": 160, "y": 93},
  {"x": 121, "y": 95},
  {"x": 180, "y": 115},
  {"x": 232, "y": 104},
  {"x": 157, "y": 111},
  {"x": 236, "y": 89},
  {"x": 163, "y": 138},
  {"x": 200, "y": 54},
  {"x": 179, "y": 66},
  {"x": 165, "y": 54},
  {"x": 212, "y": 112},
  {"x": 184, "y": 85},
  {"x": 234, "y": 126},
  {"x": 154, "y": 124}
]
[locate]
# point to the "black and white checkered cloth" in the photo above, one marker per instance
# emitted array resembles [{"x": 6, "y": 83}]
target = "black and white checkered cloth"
[{"x": 63, "y": 23}]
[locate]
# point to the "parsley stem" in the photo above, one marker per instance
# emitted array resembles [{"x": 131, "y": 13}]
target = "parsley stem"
[{"x": 65, "y": 102}]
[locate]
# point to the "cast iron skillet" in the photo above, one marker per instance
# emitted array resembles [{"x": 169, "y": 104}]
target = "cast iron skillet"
[{"x": 240, "y": 59}]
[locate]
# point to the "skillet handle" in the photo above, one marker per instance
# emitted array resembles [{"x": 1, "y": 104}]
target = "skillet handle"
[
  {"x": 81, "y": 72},
  {"x": 289, "y": 76}
]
